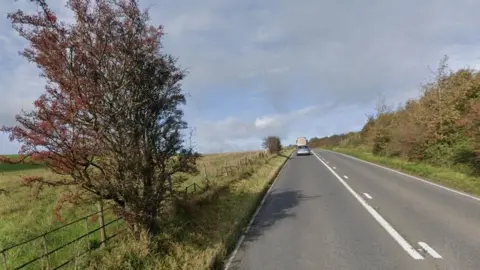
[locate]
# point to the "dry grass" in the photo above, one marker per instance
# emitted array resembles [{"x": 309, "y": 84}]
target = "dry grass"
[
  {"x": 23, "y": 217},
  {"x": 201, "y": 238},
  {"x": 210, "y": 166}
]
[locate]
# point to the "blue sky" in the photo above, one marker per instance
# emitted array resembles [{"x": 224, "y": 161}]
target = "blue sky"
[{"x": 280, "y": 67}]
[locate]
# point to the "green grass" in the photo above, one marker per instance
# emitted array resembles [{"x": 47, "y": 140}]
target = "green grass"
[
  {"x": 201, "y": 237},
  {"x": 23, "y": 217},
  {"x": 448, "y": 177},
  {"x": 4, "y": 167}
]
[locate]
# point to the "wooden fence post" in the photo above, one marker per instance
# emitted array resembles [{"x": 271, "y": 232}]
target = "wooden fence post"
[
  {"x": 205, "y": 173},
  {"x": 86, "y": 231},
  {"x": 45, "y": 248},
  {"x": 75, "y": 262},
  {"x": 4, "y": 259},
  {"x": 226, "y": 169},
  {"x": 101, "y": 223}
]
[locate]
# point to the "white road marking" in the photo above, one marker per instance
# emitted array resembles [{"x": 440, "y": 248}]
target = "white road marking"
[
  {"x": 334, "y": 168},
  {"x": 240, "y": 241},
  {"x": 395, "y": 235},
  {"x": 411, "y": 176},
  {"x": 430, "y": 250},
  {"x": 346, "y": 177},
  {"x": 367, "y": 195},
  {"x": 327, "y": 162}
]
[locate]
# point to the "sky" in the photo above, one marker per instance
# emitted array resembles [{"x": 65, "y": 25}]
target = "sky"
[{"x": 279, "y": 67}]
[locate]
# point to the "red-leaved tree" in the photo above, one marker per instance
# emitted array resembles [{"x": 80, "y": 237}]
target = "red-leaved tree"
[{"x": 109, "y": 119}]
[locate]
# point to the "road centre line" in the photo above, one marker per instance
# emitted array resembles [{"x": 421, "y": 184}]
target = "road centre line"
[
  {"x": 390, "y": 230},
  {"x": 368, "y": 196},
  {"x": 429, "y": 250},
  {"x": 410, "y": 176}
]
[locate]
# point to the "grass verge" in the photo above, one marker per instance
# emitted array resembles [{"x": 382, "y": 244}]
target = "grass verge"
[
  {"x": 201, "y": 238},
  {"x": 441, "y": 175}
]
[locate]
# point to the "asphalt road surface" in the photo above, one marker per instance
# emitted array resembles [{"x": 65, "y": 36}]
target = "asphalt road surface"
[{"x": 331, "y": 211}]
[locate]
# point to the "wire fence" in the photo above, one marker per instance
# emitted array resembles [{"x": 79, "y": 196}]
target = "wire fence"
[
  {"x": 93, "y": 238},
  {"x": 98, "y": 236},
  {"x": 230, "y": 168}
]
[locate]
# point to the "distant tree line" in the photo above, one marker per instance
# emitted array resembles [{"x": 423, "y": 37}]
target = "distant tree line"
[{"x": 441, "y": 127}]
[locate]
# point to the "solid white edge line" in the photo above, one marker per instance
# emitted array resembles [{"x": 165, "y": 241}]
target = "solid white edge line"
[
  {"x": 430, "y": 250},
  {"x": 411, "y": 176},
  {"x": 368, "y": 196},
  {"x": 346, "y": 177},
  {"x": 242, "y": 237},
  {"x": 390, "y": 230}
]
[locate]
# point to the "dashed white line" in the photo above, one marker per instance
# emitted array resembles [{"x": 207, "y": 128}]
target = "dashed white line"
[
  {"x": 410, "y": 176},
  {"x": 334, "y": 168},
  {"x": 390, "y": 230},
  {"x": 367, "y": 195},
  {"x": 429, "y": 250},
  {"x": 346, "y": 177}
]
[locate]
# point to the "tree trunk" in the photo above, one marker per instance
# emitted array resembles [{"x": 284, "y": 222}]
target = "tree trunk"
[{"x": 152, "y": 221}]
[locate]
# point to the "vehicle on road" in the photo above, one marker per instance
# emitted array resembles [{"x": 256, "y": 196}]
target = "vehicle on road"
[
  {"x": 301, "y": 141},
  {"x": 303, "y": 150}
]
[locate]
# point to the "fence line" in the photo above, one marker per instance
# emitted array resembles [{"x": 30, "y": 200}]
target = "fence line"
[
  {"x": 47, "y": 252},
  {"x": 224, "y": 171},
  {"x": 227, "y": 170}
]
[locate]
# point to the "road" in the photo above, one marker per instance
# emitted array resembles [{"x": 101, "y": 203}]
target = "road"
[{"x": 331, "y": 211}]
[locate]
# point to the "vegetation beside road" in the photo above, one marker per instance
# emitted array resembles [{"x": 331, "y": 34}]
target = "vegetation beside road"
[
  {"x": 204, "y": 234},
  {"x": 193, "y": 241},
  {"x": 436, "y": 136}
]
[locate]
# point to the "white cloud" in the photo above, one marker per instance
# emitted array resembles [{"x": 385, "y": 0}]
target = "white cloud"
[
  {"x": 217, "y": 135},
  {"x": 19, "y": 90}
]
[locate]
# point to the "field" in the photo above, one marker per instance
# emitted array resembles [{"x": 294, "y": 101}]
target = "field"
[
  {"x": 24, "y": 217},
  {"x": 16, "y": 167},
  {"x": 195, "y": 245}
]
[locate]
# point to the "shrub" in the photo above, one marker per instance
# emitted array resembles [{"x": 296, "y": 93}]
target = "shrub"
[{"x": 273, "y": 144}]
